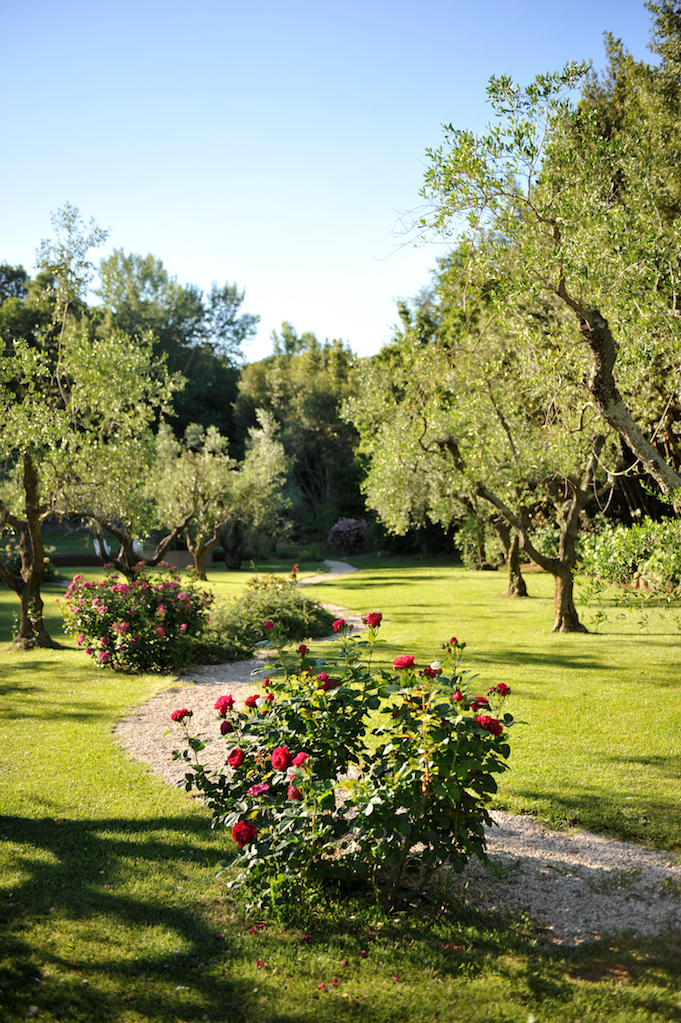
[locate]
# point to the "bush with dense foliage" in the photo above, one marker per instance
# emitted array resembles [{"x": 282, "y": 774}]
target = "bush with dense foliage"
[
  {"x": 146, "y": 624},
  {"x": 235, "y": 630},
  {"x": 348, "y": 534},
  {"x": 647, "y": 554},
  {"x": 340, "y": 775}
]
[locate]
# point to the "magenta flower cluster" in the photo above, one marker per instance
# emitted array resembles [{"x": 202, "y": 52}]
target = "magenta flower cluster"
[{"x": 146, "y": 624}]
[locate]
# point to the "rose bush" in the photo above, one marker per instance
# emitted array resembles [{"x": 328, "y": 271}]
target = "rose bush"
[
  {"x": 148, "y": 624},
  {"x": 352, "y": 775}
]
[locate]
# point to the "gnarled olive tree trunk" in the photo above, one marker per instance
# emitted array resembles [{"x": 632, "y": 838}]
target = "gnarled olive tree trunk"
[{"x": 27, "y": 581}]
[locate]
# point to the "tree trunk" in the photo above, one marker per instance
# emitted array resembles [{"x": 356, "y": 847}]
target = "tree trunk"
[
  {"x": 511, "y": 545},
  {"x": 26, "y": 583},
  {"x": 233, "y": 544},
  {"x": 567, "y": 619}
]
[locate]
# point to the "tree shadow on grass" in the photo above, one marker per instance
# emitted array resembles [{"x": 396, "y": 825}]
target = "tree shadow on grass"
[{"x": 96, "y": 885}]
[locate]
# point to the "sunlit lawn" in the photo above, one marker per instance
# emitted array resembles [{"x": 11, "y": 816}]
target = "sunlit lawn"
[{"x": 110, "y": 908}]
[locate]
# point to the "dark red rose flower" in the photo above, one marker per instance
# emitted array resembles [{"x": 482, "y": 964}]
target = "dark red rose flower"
[
  {"x": 431, "y": 672},
  {"x": 373, "y": 620},
  {"x": 224, "y": 704},
  {"x": 251, "y": 701},
  {"x": 281, "y": 758},
  {"x": 339, "y": 624},
  {"x": 501, "y": 688},
  {"x": 180, "y": 715},
  {"x": 236, "y": 757},
  {"x": 244, "y": 833},
  {"x": 453, "y": 641},
  {"x": 490, "y": 724},
  {"x": 301, "y": 759},
  {"x": 457, "y": 696},
  {"x": 404, "y": 662},
  {"x": 478, "y": 701},
  {"x": 268, "y": 626},
  {"x": 302, "y": 649},
  {"x": 269, "y": 697},
  {"x": 226, "y": 727},
  {"x": 294, "y": 792}
]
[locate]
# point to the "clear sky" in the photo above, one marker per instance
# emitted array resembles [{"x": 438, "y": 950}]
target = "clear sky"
[{"x": 270, "y": 143}]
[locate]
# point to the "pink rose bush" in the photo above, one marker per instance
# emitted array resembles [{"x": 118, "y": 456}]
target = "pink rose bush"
[
  {"x": 147, "y": 624},
  {"x": 362, "y": 725}
]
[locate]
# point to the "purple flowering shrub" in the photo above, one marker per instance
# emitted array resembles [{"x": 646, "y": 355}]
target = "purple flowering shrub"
[
  {"x": 147, "y": 624},
  {"x": 340, "y": 774},
  {"x": 348, "y": 534}
]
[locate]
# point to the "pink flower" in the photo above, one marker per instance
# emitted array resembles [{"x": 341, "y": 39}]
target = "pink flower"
[
  {"x": 257, "y": 790},
  {"x": 183, "y": 596},
  {"x": 224, "y": 704},
  {"x": 89, "y": 650},
  {"x": 281, "y": 758},
  {"x": 180, "y": 715},
  {"x": 161, "y": 631},
  {"x": 104, "y": 656},
  {"x": 403, "y": 663},
  {"x": 339, "y": 624},
  {"x": 373, "y": 620},
  {"x": 183, "y": 627},
  {"x": 236, "y": 757},
  {"x": 302, "y": 649},
  {"x": 105, "y": 641},
  {"x": 268, "y": 626},
  {"x": 226, "y": 727},
  {"x": 243, "y": 833},
  {"x": 260, "y": 964},
  {"x": 251, "y": 701},
  {"x": 322, "y": 677},
  {"x": 80, "y": 639},
  {"x": 490, "y": 724},
  {"x": 294, "y": 792},
  {"x": 457, "y": 696}
]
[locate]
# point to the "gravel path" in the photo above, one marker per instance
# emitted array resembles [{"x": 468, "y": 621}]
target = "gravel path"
[{"x": 576, "y": 885}]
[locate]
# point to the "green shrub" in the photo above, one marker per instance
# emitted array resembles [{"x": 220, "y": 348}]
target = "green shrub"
[
  {"x": 235, "y": 630},
  {"x": 616, "y": 554}
]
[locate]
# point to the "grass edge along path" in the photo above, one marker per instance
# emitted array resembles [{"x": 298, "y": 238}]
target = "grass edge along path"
[{"x": 110, "y": 908}]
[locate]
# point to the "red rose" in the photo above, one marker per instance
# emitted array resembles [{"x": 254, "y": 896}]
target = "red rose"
[
  {"x": 294, "y": 792},
  {"x": 226, "y": 727},
  {"x": 269, "y": 697},
  {"x": 251, "y": 701},
  {"x": 302, "y": 649},
  {"x": 501, "y": 688},
  {"x": 490, "y": 724},
  {"x": 453, "y": 641},
  {"x": 244, "y": 833},
  {"x": 301, "y": 759},
  {"x": 223, "y": 704},
  {"x": 331, "y": 683},
  {"x": 457, "y": 696},
  {"x": 431, "y": 672},
  {"x": 236, "y": 757},
  {"x": 268, "y": 626},
  {"x": 281, "y": 758},
  {"x": 404, "y": 662},
  {"x": 180, "y": 715},
  {"x": 373, "y": 620},
  {"x": 339, "y": 624},
  {"x": 478, "y": 701}
]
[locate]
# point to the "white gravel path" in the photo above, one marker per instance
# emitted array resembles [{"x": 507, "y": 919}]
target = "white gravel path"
[{"x": 576, "y": 885}]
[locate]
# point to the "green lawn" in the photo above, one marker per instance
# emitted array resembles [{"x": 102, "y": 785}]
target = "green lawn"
[{"x": 110, "y": 908}]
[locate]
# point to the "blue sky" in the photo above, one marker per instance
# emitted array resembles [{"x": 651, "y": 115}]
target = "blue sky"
[{"x": 268, "y": 143}]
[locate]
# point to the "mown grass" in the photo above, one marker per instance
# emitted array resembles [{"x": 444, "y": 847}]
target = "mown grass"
[{"x": 110, "y": 908}]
